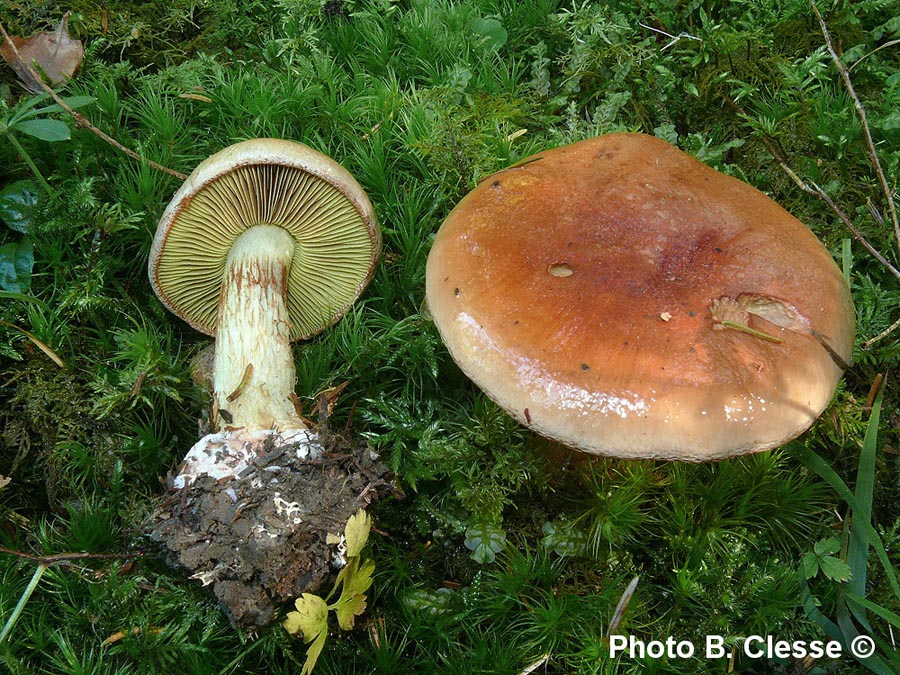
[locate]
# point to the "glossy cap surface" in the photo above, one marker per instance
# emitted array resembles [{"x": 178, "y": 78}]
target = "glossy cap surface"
[{"x": 588, "y": 290}]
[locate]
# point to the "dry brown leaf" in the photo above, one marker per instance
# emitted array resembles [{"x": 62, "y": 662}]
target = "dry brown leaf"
[
  {"x": 778, "y": 312},
  {"x": 55, "y": 56}
]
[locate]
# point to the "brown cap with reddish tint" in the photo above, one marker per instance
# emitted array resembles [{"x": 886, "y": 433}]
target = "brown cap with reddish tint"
[{"x": 623, "y": 298}]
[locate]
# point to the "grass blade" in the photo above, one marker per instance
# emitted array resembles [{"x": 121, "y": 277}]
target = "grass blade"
[
  {"x": 877, "y": 609},
  {"x": 858, "y": 549},
  {"x": 819, "y": 466},
  {"x": 10, "y": 295},
  {"x": 39, "y": 344}
]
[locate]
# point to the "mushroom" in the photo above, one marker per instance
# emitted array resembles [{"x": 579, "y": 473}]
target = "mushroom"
[
  {"x": 621, "y": 297},
  {"x": 266, "y": 242}
]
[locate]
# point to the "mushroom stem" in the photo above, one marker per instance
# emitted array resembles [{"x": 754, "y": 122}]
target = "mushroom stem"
[{"x": 254, "y": 374}]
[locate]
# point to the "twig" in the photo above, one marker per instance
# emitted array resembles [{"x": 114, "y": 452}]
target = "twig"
[
  {"x": 816, "y": 191},
  {"x": 80, "y": 119},
  {"x": 619, "y": 612},
  {"x": 674, "y": 38},
  {"x": 537, "y": 664},
  {"x": 877, "y": 49},
  {"x": 44, "y": 562},
  {"x": 883, "y": 334},
  {"x": 861, "y": 113},
  {"x": 63, "y": 558}
]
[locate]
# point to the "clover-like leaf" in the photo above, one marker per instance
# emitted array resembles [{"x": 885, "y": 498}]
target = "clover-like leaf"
[
  {"x": 356, "y": 532},
  {"x": 311, "y": 617},
  {"x": 822, "y": 558},
  {"x": 828, "y": 546},
  {"x": 809, "y": 565}
]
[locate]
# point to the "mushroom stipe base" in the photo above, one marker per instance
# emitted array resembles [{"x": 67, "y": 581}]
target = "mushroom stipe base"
[{"x": 259, "y": 540}]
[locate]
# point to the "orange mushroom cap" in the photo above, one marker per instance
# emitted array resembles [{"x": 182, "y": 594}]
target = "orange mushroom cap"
[{"x": 625, "y": 299}]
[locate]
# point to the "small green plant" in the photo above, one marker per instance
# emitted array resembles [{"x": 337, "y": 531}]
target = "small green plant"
[
  {"x": 354, "y": 580},
  {"x": 822, "y": 559},
  {"x": 26, "y": 118},
  {"x": 852, "y": 626},
  {"x": 485, "y": 541},
  {"x": 563, "y": 538}
]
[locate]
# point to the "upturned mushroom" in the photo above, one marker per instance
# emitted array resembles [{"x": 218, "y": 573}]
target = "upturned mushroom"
[
  {"x": 266, "y": 242},
  {"x": 623, "y": 298}
]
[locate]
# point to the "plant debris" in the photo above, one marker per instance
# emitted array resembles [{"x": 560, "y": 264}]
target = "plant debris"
[
  {"x": 55, "y": 55},
  {"x": 262, "y": 539}
]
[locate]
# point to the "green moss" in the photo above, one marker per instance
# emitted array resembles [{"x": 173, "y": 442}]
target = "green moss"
[{"x": 421, "y": 99}]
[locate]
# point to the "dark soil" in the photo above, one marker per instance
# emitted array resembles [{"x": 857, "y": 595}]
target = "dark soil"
[{"x": 260, "y": 540}]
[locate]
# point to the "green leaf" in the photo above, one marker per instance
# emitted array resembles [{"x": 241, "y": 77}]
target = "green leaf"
[
  {"x": 25, "y": 109},
  {"x": 809, "y": 565},
  {"x": 361, "y": 581},
  {"x": 858, "y": 548},
  {"x": 17, "y": 202},
  {"x": 311, "y": 617},
  {"x": 45, "y": 130},
  {"x": 491, "y": 31},
  {"x": 835, "y": 568},
  {"x": 356, "y": 533},
  {"x": 348, "y": 610},
  {"x": 485, "y": 541},
  {"x": 885, "y": 614},
  {"x": 25, "y": 298},
  {"x": 828, "y": 546},
  {"x": 818, "y": 465},
  {"x": 16, "y": 261},
  {"x": 352, "y": 602},
  {"x": 812, "y": 610},
  {"x": 74, "y": 102},
  {"x": 313, "y": 653}
]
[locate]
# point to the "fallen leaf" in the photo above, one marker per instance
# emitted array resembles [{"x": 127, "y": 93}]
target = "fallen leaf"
[
  {"x": 196, "y": 97},
  {"x": 778, "y": 312},
  {"x": 730, "y": 313},
  {"x": 54, "y": 55}
]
